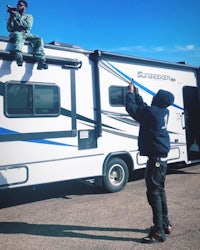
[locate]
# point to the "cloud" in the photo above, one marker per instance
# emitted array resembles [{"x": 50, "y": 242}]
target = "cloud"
[
  {"x": 157, "y": 49},
  {"x": 188, "y": 52},
  {"x": 137, "y": 48},
  {"x": 189, "y": 47}
]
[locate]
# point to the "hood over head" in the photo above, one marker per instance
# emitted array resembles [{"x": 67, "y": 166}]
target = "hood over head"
[{"x": 163, "y": 99}]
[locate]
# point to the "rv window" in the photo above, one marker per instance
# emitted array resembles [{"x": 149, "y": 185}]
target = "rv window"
[
  {"x": 25, "y": 100},
  {"x": 46, "y": 100},
  {"x": 117, "y": 95}
]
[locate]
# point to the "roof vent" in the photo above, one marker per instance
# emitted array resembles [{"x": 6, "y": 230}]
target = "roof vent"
[{"x": 56, "y": 43}]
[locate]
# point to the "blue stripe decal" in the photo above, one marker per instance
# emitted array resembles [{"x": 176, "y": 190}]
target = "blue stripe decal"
[
  {"x": 4, "y": 131},
  {"x": 138, "y": 84},
  {"x": 50, "y": 142}
]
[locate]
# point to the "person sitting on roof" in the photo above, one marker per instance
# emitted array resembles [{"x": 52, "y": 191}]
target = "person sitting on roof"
[{"x": 19, "y": 25}]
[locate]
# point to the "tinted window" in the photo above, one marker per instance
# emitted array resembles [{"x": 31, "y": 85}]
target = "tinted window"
[
  {"x": 31, "y": 100},
  {"x": 19, "y": 99},
  {"x": 117, "y": 95},
  {"x": 46, "y": 100}
]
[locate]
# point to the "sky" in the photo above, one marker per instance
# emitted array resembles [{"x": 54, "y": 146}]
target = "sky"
[{"x": 166, "y": 30}]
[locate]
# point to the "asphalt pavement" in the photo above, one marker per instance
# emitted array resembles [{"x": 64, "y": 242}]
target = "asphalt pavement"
[{"x": 76, "y": 215}]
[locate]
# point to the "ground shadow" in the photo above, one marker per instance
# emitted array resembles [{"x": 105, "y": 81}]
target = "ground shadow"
[
  {"x": 70, "y": 231},
  {"x": 66, "y": 189},
  {"x": 180, "y": 169}
]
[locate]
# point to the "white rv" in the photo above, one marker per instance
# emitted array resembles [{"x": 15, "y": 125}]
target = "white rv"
[{"x": 69, "y": 121}]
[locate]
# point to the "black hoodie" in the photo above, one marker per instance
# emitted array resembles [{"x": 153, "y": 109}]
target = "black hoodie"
[{"x": 153, "y": 140}]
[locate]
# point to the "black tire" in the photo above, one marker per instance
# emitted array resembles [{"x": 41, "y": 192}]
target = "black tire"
[{"x": 117, "y": 175}]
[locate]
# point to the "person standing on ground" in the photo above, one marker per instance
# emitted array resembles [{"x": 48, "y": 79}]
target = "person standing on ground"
[
  {"x": 153, "y": 142},
  {"x": 19, "y": 25}
]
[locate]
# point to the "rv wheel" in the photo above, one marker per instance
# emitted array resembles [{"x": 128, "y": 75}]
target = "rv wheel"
[{"x": 116, "y": 176}]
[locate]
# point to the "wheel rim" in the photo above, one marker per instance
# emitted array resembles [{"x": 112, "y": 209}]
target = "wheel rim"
[{"x": 116, "y": 175}]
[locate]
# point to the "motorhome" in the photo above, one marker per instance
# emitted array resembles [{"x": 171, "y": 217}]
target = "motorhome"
[{"x": 69, "y": 122}]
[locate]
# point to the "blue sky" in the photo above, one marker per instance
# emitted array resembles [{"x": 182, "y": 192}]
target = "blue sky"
[{"x": 163, "y": 30}]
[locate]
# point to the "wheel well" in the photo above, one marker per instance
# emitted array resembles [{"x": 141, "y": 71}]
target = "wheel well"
[{"x": 125, "y": 156}]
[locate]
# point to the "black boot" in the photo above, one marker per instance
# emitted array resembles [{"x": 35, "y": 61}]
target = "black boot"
[
  {"x": 20, "y": 63},
  {"x": 19, "y": 59},
  {"x": 153, "y": 237},
  {"x": 42, "y": 65}
]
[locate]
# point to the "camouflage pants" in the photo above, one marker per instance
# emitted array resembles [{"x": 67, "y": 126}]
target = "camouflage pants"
[{"x": 36, "y": 42}]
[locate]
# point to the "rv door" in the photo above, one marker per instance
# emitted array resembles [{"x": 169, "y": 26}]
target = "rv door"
[{"x": 192, "y": 122}]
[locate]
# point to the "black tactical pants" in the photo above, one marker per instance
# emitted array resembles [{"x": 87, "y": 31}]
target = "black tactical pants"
[{"x": 155, "y": 173}]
